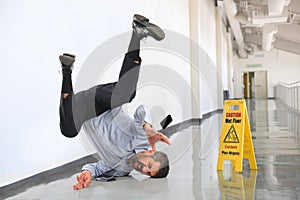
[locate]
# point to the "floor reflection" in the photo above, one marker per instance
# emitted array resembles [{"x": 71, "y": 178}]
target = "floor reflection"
[
  {"x": 237, "y": 186},
  {"x": 275, "y": 132},
  {"x": 258, "y": 114}
]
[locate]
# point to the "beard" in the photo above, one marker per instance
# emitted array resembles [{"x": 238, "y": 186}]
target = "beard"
[{"x": 135, "y": 163}]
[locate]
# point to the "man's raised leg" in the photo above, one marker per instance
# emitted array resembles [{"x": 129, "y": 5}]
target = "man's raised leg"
[
  {"x": 125, "y": 89},
  {"x": 77, "y": 108},
  {"x": 67, "y": 124}
]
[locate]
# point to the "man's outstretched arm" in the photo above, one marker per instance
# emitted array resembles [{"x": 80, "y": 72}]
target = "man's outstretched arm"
[
  {"x": 90, "y": 171},
  {"x": 143, "y": 120}
]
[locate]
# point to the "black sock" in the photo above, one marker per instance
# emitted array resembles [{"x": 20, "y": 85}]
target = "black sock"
[
  {"x": 67, "y": 82},
  {"x": 134, "y": 46}
]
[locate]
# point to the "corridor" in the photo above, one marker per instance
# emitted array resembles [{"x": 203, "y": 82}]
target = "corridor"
[{"x": 194, "y": 154}]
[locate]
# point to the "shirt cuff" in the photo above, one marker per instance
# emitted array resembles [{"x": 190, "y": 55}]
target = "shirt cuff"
[{"x": 89, "y": 168}]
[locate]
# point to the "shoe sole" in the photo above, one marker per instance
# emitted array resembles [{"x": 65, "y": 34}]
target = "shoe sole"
[
  {"x": 70, "y": 55},
  {"x": 154, "y": 31},
  {"x": 66, "y": 60}
]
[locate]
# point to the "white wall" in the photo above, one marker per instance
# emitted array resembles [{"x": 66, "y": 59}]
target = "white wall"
[
  {"x": 207, "y": 57},
  {"x": 281, "y": 66},
  {"x": 214, "y": 79},
  {"x": 207, "y": 28},
  {"x": 33, "y": 34}
]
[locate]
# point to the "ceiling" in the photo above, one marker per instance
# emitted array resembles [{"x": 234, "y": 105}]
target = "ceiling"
[{"x": 262, "y": 25}]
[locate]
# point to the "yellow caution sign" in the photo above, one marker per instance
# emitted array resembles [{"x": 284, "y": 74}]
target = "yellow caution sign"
[{"x": 236, "y": 140}]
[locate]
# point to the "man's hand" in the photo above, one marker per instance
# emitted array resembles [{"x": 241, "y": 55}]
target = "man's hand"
[
  {"x": 84, "y": 180},
  {"x": 154, "y": 136}
]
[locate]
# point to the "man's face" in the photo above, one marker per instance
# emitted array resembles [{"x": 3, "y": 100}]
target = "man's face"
[{"x": 145, "y": 164}]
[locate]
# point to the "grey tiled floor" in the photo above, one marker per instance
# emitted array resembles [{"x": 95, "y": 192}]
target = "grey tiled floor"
[{"x": 194, "y": 155}]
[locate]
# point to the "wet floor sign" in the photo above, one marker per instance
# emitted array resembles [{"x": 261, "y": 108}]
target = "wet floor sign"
[{"x": 235, "y": 139}]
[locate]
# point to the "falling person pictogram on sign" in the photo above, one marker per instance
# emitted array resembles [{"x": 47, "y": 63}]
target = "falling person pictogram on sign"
[{"x": 231, "y": 136}]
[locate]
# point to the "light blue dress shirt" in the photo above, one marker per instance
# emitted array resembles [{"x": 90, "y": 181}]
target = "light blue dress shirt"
[{"x": 116, "y": 137}]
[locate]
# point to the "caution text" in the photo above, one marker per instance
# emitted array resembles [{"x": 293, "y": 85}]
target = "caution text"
[{"x": 234, "y": 114}]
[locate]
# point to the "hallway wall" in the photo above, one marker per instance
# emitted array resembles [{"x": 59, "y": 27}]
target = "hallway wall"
[{"x": 212, "y": 57}]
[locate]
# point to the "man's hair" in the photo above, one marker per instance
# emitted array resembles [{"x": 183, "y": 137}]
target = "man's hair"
[{"x": 163, "y": 171}]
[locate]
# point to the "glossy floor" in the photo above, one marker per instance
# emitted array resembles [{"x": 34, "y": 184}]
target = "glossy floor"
[{"x": 194, "y": 155}]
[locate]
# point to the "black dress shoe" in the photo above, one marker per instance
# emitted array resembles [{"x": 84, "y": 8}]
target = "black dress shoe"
[
  {"x": 144, "y": 28},
  {"x": 67, "y": 61}
]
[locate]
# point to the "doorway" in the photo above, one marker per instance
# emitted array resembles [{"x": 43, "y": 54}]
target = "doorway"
[{"x": 255, "y": 85}]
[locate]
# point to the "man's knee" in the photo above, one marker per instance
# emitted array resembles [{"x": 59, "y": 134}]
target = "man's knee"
[
  {"x": 118, "y": 99},
  {"x": 132, "y": 97},
  {"x": 69, "y": 131}
]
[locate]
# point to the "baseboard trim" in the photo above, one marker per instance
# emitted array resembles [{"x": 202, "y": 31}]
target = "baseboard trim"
[
  {"x": 180, "y": 126},
  {"x": 185, "y": 124},
  {"x": 69, "y": 169}
]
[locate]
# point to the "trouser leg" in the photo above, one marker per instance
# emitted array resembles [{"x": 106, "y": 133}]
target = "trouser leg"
[
  {"x": 67, "y": 124},
  {"x": 75, "y": 110},
  {"x": 121, "y": 92},
  {"x": 67, "y": 86}
]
